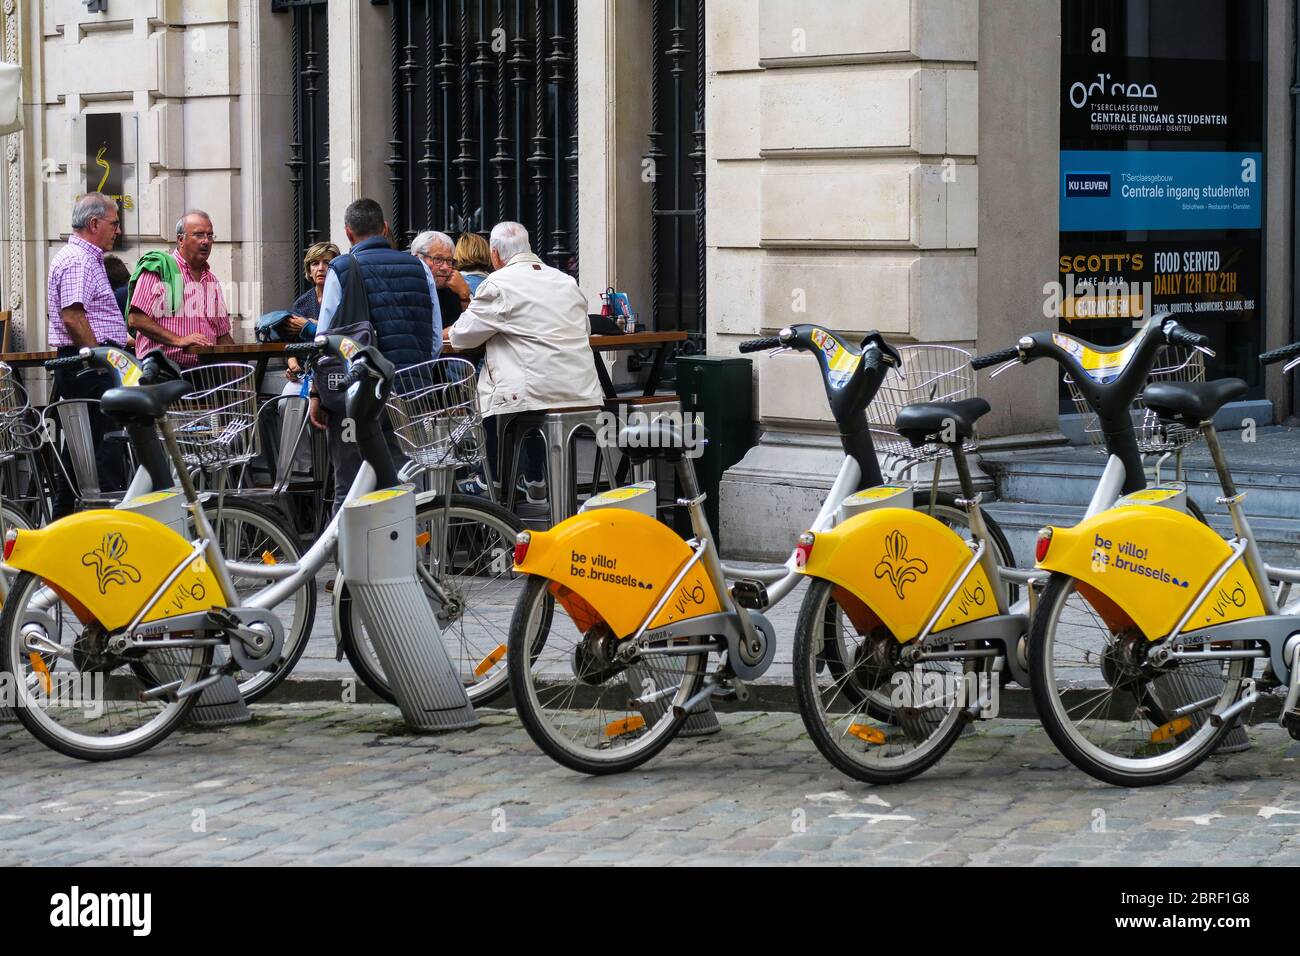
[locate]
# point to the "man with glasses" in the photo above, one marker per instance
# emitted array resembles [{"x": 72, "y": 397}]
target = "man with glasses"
[
  {"x": 437, "y": 252},
  {"x": 82, "y": 311},
  {"x": 200, "y": 316}
]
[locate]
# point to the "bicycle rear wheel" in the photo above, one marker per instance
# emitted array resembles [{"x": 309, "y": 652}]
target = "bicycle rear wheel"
[
  {"x": 74, "y": 694},
  {"x": 1106, "y": 708},
  {"x": 846, "y": 658},
  {"x": 579, "y": 702}
]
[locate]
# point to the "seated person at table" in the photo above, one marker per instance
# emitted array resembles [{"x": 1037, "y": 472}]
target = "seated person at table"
[
  {"x": 306, "y": 308},
  {"x": 533, "y": 320},
  {"x": 473, "y": 259},
  {"x": 175, "y": 299},
  {"x": 435, "y": 250}
]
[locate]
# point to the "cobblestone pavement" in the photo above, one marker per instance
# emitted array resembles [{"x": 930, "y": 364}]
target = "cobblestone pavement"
[{"x": 343, "y": 784}]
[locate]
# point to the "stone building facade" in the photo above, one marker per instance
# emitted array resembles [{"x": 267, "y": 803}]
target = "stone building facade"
[{"x": 865, "y": 164}]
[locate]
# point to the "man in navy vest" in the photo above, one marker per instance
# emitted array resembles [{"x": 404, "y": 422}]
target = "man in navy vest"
[{"x": 403, "y": 300}]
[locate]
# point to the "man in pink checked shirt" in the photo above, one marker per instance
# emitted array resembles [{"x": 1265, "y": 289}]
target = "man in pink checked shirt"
[
  {"x": 202, "y": 318},
  {"x": 82, "y": 312}
]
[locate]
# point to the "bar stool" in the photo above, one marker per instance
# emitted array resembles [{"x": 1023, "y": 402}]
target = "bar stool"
[
  {"x": 559, "y": 428},
  {"x": 652, "y": 406}
]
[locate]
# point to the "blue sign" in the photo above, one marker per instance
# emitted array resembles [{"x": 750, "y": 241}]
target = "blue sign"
[{"x": 1119, "y": 191}]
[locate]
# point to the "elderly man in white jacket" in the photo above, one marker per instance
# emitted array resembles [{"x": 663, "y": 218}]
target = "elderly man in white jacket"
[{"x": 533, "y": 320}]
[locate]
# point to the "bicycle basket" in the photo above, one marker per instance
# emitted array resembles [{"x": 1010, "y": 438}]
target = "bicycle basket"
[
  {"x": 213, "y": 424},
  {"x": 928, "y": 373},
  {"x": 1173, "y": 363},
  {"x": 20, "y": 430},
  {"x": 434, "y": 413}
]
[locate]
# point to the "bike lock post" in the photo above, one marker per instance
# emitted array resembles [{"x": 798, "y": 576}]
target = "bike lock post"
[{"x": 377, "y": 554}]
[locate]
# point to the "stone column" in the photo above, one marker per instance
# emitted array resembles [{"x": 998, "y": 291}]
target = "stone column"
[
  {"x": 360, "y": 107},
  {"x": 264, "y": 119},
  {"x": 843, "y": 191},
  {"x": 613, "y": 57}
]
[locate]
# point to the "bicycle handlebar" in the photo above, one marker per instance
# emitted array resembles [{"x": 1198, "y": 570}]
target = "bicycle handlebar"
[
  {"x": 68, "y": 361},
  {"x": 1177, "y": 335},
  {"x": 1280, "y": 355},
  {"x": 994, "y": 358},
  {"x": 761, "y": 345}
]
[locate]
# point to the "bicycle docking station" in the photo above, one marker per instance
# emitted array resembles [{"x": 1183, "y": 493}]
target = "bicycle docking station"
[
  {"x": 220, "y": 703},
  {"x": 377, "y": 558}
]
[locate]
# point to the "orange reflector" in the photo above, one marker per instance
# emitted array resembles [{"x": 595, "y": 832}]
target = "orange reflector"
[
  {"x": 268, "y": 558},
  {"x": 491, "y": 661},
  {"x": 624, "y": 726},
  {"x": 422, "y": 539},
  {"x": 38, "y": 665},
  {"x": 1170, "y": 730},
  {"x": 868, "y": 733}
]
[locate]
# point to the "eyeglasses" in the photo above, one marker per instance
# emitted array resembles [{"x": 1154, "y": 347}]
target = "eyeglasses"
[
  {"x": 210, "y": 236},
  {"x": 438, "y": 260},
  {"x": 115, "y": 223}
]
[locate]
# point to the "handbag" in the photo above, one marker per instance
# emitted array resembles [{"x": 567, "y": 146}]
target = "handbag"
[{"x": 352, "y": 319}]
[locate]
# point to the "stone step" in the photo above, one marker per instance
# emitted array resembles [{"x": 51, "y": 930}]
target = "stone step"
[{"x": 1271, "y": 478}]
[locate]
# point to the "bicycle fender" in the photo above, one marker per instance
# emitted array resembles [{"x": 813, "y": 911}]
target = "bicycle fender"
[
  {"x": 109, "y": 564},
  {"x": 895, "y": 566},
  {"x": 616, "y": 563},
  {"x": 1143, "y": 567}
]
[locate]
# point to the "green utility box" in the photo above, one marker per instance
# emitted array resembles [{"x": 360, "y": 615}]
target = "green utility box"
[{"x": 720, "y": 389}]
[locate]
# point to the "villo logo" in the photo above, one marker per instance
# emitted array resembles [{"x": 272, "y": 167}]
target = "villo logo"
[
  {"x": 77, "y": 909},
  {"x": 1081, "y": 93}
]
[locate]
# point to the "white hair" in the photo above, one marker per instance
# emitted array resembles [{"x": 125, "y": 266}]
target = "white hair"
[
  {"x": 180, "y": 223},
  {"x": 509, "y": 239},
  {"x": 424, "y": 240},
  {"x": 91, "y": 206}
]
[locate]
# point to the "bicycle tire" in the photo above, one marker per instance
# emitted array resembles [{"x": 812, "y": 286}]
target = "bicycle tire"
[
  {"x": 1087, "y": 755},
  {"x": 949, "y": 512},
  {"x": 64, "y": 740},
  {"x": 527, "y": 677}
]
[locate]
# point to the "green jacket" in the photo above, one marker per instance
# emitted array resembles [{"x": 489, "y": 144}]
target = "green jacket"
[{"x": 163, "y": 263}]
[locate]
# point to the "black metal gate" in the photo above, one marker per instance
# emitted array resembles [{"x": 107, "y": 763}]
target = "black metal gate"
[
  {"x": 309, "y": 149},
  {"x": 676, "y": 155},
  {"x": 485, "y": 120}
]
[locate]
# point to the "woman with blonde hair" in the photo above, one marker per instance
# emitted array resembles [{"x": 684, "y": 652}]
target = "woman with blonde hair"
[
  {"x": 473, "y": 259},
  {"x": 306, "y": 308}
]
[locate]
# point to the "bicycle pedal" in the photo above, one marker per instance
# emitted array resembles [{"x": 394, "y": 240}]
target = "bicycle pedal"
[{"x": 750, "y": 594}]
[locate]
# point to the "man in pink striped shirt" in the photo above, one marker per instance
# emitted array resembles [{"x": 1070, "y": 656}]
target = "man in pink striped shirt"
[{"x": 202, "y": 318}]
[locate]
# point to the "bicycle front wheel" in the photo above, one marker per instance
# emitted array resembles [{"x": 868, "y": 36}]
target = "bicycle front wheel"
[
  {"x": 466, "y": 560},
  {"x": 1107, "y": 709},
  {"x": 585, "y": 706},
  {"x": 77, "y": 696}
]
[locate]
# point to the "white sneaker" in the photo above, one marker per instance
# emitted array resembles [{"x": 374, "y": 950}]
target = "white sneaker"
[{"x": 535, "y": 492}]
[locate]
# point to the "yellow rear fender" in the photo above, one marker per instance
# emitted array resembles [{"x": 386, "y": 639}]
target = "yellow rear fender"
[
  {"x": 897, "y": 566},
  {"x": 109, "y": 564},
  {"x": 1143, "y": 567},
  {"x": 613, "y": 564}
]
